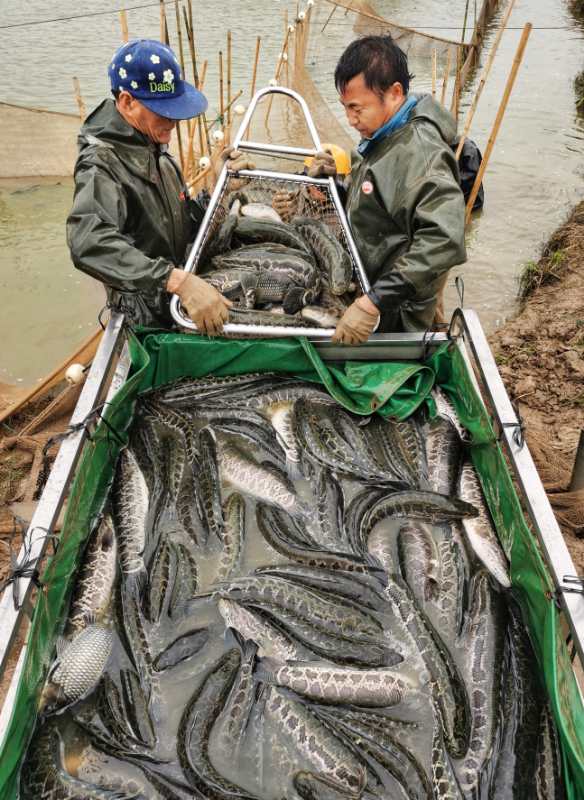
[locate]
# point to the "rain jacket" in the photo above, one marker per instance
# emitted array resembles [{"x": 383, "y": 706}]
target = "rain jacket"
[
  {"x": 406, "y": 212},
  {"x": 131, "y": 221}
]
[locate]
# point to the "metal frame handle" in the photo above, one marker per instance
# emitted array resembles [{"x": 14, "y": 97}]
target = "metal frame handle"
[{"x": 278, "y": 150}]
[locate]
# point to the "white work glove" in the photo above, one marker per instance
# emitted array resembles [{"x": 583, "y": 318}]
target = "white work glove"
[{"x": 207, "y": 307}]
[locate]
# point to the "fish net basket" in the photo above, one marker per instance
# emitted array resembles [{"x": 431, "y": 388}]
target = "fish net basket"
[{"x": 314, "y": 201}]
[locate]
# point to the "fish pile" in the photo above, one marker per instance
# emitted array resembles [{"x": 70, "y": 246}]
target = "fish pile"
[
  {"x": 296, "y": 272},
  {"x": 283, "y": 600}
]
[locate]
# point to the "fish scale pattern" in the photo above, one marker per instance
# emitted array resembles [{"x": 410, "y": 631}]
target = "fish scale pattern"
[{"x": 301, "y": 604}]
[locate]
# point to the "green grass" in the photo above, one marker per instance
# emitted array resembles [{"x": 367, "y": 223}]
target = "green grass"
[{"x": 538, "y": 273}]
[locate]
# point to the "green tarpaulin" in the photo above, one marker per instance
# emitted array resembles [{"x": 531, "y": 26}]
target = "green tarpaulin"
[{"x": 392, "y": 389}]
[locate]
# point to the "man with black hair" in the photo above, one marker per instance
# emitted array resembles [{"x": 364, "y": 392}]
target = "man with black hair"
[{"x": 404, "y": 202}]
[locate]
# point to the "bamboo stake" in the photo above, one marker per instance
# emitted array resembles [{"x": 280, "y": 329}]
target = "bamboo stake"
[
  {"x": 446, "y": 76},
  {"x": 287, "y": 69},
  {"x": 465, "y": 21},
  {"x": 483, "y": 80},
  {"x": 255, "y": 66},
  {"x": 283, "y": 55},
  {"x": 124, "y": 25},
  {"x": 199, "y": 177},
  {"x": 221, "y": 98},
  {"x": 163, "y": 24},
  {"x": 434, "y": 71},
  {"x": 229, "y": 57},
  {"x": 193, "y": 54},
  {"x": 203, "y": 75},
  {"x": 456, "y": 94},
  {"x": 181, "y": 52},
  {"x": 500, "y": 114},
  {"x": 79, "y": 99}
]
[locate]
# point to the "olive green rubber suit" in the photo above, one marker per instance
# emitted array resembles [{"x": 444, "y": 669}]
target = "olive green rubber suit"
[
  {"x": 406, "y": 211},
  {"x": 131, "y": 222}
]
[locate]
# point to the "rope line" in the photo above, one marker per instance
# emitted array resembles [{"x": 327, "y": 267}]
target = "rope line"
[{"x": 82, "y": 16}]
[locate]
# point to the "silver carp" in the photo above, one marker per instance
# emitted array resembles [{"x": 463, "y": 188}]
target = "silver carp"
[
  {"x": 260, "y": 211},
  {"x": 131, "y": 500},
  {"x": 371, "y": 688},
  {"x": 93, "y": 589},
  {"x": 79, "y": 665},
  {"x": 479, "y": 529},
  {"x": 258, "y": 480}
]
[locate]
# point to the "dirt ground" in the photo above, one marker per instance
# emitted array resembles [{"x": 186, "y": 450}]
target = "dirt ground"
[{"x": 540, "y": 354}]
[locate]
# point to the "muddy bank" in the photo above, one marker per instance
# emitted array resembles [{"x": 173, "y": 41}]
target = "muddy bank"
[{"x": 540, "y": 354}]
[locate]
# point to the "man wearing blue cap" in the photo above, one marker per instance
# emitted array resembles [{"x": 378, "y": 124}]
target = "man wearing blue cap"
[{"x": 132, "y": 218}]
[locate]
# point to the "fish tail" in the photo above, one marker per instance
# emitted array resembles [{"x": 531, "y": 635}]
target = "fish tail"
[
  {"x": 137, "y": 582},
  {"x": 294, "y": 299},
  {"x": 293, "y": 468},
  {"x": 266, "y": 669}
]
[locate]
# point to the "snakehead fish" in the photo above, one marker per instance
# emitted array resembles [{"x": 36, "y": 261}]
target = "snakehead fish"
[
  {"x": 426, "y": 506},
  {"x": 93, "y": 588},
  {"x": 386, "y": 750},
  {"x": 446, "y": 410},
  {"x": 449, "y": 692},
  {"x": 373, "y": 688},
  {"x": 271, "y": 641},
  {"x": 277, "y": 528},
  {"x": 443, "y": 455},
  {"x": 315, "y": 742},
  {"x": 79, "y": 665},
  {"x": 549, "y": 783},
  {"x": 266, "y": 274},
  {"x": 195, "y": 728},
  {"x": 230, "y": 726},
  {"x": 314, "y": 787},
  {"x": 130, "y": 497},
  {"x": 482, "y": 641},
  {"x": 520, "y": 713},
  {"x": 280, "y": 416},
  {"x": 182, "y": 648},
  {"x": 258, "y": 480},
  {"x": 209, "y": 483},
  {"x": 479, "y": 529},
  {"x": 46, "y": 778},
  {"x": 418, "y": 556},
  {"x": 332, "y": 258},
  {"x": 261, "y": 231}
]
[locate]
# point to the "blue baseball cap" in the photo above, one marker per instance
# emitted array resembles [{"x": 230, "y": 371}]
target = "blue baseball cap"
[{"x": 150, "y": 72}]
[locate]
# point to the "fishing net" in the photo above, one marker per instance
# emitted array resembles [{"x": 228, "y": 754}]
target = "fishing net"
[
  {"x": 331, "y": 26},
  {"x": 160, "y": 358}
]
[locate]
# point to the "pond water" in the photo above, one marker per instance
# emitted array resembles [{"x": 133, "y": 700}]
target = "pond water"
[{"x": 535, "y": 174}]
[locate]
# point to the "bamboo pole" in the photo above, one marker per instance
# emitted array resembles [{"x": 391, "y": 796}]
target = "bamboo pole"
[
  {"x": 500, "y": 114},
  {"x": 204, "y": 173},
  {"x": 79, "y": 99},
  {"x": 465, "y": 21},
  {"x": 203, "y": 75},
  {"x": 434, "y": 71},
  {"x": 255, "y": 66},
  {"x": 193, "y": 53},
  {"x": 124, "y": 25},
  {"x": 456, "y": 93},
  {"x": 229, "y": 64},
  {"x": 221, "y": 89},
  {"x": 287, "y": 69},
  {"x": 483, "y": 80},
  {"x": 283, "y": 55},
  {"x": 163, "y": 24},
  {"x": 446, "y": 76}
]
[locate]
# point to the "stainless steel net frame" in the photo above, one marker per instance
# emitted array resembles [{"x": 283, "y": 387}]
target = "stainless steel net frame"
[{"x": 216, "y": 211}]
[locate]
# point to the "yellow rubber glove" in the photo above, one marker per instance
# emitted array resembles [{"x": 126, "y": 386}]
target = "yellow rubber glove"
[
  {"x": 207, "y": 307},
  {"x": 356, "y": 324}
]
